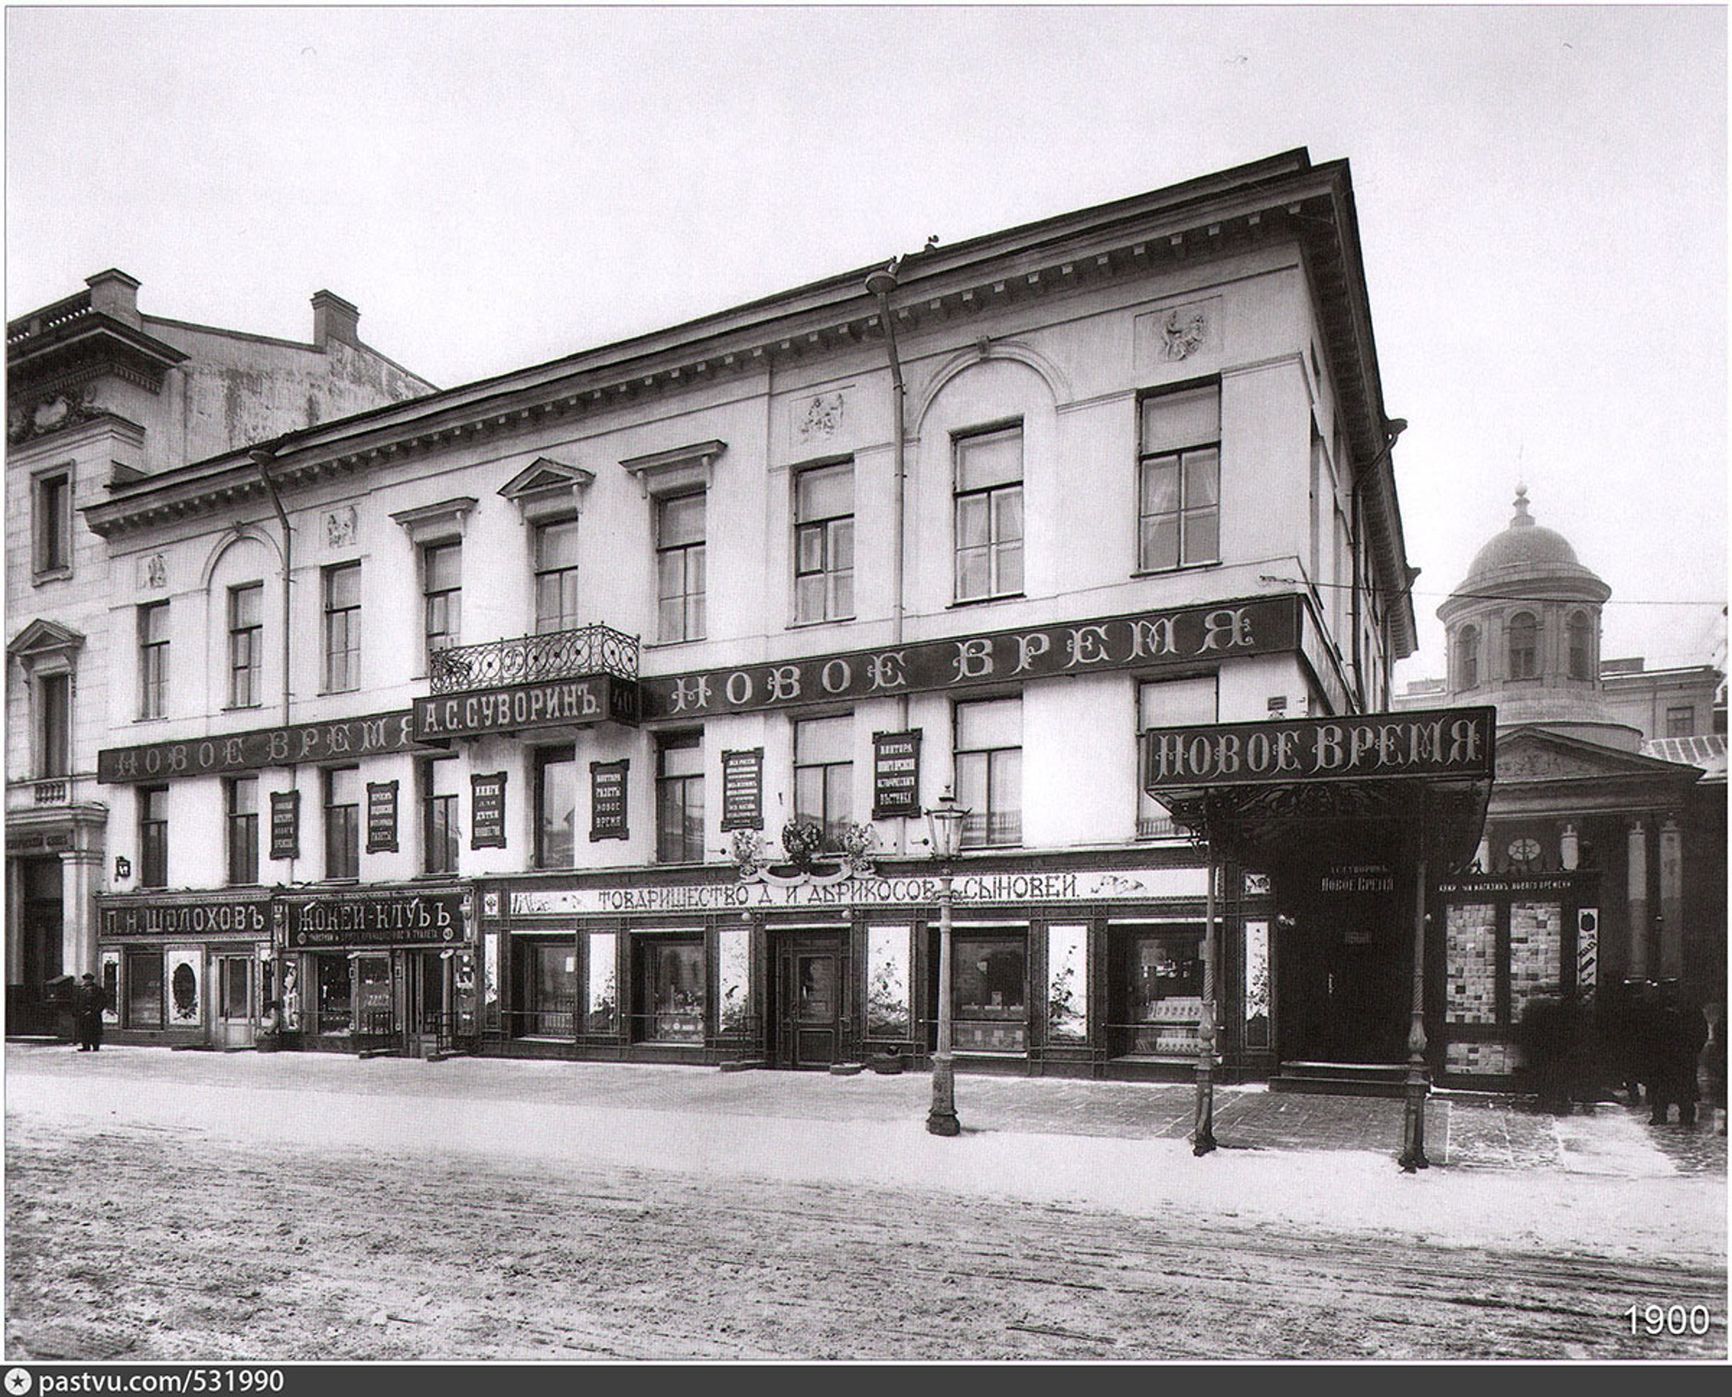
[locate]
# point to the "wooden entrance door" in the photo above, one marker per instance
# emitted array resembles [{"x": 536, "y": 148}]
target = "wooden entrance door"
[
  {"x": 234, "y": 1019},
  {"x": 427, "y": 1006},
  {"x": 808, "y": 1006}
]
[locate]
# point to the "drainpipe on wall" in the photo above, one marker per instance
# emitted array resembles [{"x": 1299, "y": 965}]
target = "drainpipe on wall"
[
  {"x": 262, "y": 457},
  {"x": 880, "y": 284},
  {"x": 1393, "y": 427}
]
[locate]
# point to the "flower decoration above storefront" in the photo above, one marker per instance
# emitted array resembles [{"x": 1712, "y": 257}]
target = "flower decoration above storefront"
[{"x": 807, "y": 862}]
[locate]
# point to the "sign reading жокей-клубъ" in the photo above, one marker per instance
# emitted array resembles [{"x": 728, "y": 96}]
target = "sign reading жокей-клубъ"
[
  {"x": 1445, "y": 742},
  {"x": 371, "y": 917}
]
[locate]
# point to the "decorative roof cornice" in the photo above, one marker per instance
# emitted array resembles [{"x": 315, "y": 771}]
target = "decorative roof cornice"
[
  {"x": 64, "y": 345},
  {"x": 1282, "y": 198}
]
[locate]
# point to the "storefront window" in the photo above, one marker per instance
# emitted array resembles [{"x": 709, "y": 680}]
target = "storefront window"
[
  {"x": 334, "y": 1006},
  {"x": 734, "y": 982},
  {"x": 376, "y": 1014},
  {"x": 1257, "y": 984},
  {"x": 1067, "y": 987},
  {"x": 672, "y": 991},
  {"x": 551, "y": 988},
  {"x": 887, "y": 982},
  {"x": 144, "y": 989},
  {"x": 1163, "y": 988},
  {"x": 989, "y": 996},
  {"x": 603, "y": 1006}
]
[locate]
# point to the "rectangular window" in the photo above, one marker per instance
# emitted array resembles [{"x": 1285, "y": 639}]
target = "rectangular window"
[
  {"x": 144, "y": 989},
  {"x": 343, "y": 822},
  {"x": 1169, "y": 703},
  {"x": 671, "y": 990},
  {"x": 246, "y": 644},
  {"x": 989, "y": 771},
  {"x": 1156, "y": 990},
  {"x": 243, "y": 828},
  {"x": 680, "y": 567},
  {"x": 989, "y": 996},
  {"x": 824, "y": 774},
  {"x": 441, "y": 595},
  {"x": 555, "y": 807},
  {"x": 1179, "y": 491},
  {"x": 53, "y": 724},
  {"x": 439, "y": 836},
  {"x": 153, "y": 836},
  {"x": 53, "y": 523},
  {"x": 335, "y": 990},
  {"x": 153, "y": 660},
  {"x": 550, "y": 988},
  {"x": 1680, "y": 722},
  {"x": 342, "y": 628},
  {"x": 824, "y": 544},
  {"x": 680, "y": 798},
  {"x": 556, "y": 576},
  {"x": 989, "y": 514}
]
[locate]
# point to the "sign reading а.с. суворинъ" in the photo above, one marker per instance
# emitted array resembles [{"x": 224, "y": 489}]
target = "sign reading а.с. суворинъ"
[
  {"x": 1146, "y": 640},
  {"x": 1440, "y": 742},
  {"x": 552, "y": 703}
]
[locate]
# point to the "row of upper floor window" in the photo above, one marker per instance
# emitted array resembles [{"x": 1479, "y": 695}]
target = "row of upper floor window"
[
  {"x": 1523, "y": 633},
  {"x": 986, "y": 751}
]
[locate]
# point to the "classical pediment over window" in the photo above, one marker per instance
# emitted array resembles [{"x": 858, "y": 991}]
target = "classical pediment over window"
[
  {"x": 435, "y": 523},
  {"x": 45, "y": 644},
  {"x": 679, "y": 469},
  {"x": 1533, "y": 754},
  {"x": 547, "y": 488}
]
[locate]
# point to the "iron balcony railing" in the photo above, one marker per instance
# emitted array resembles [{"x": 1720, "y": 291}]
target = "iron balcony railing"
[{"x": 528, "y": 659}]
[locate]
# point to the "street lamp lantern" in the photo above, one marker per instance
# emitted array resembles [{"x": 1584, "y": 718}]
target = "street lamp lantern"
[
  {"x": 944, "y": 824},
  {"x": 944, "y": 821}
]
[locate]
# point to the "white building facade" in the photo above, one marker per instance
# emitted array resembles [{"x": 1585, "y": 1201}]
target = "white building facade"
[{"x": 565, "y": 653}]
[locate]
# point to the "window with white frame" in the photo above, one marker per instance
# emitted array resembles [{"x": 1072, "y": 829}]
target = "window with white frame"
[
  {"x": 53, "y": 695},
  {"x": 824, "y": 543},
  {"x": 989, "y": 520},
  {"x": 680, "y": 797},
  {"x": 824, "y": 774},
  {"x": 51, "y": 522},
  {"x": 441, "y": 595},
  {"x": 246, "y": 644},
  {"x": 241, "y": 795},
  {"x": 342, "y": 628},
  {"x": 988, "y": 756},
  {"x": 439, "y": 834},
  {"x": 1179, "y": 485},
  {"x": 1167, "y": 703},
  {"x": 343, "y": 822},
  {"x": 680, "y": 563},
  {"x": 556, "y": 576},
  {"x": 153, "y": 660}
]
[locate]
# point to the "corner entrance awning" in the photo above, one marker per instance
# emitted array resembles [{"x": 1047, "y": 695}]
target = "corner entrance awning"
[{"x": 1322, "y": 788}]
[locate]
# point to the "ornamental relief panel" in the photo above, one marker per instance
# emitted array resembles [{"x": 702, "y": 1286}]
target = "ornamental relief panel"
[
  {"x": 1176, "y": 336},
  {"x": 340, "y": 527},
  {"x": 819, "y": 418}
]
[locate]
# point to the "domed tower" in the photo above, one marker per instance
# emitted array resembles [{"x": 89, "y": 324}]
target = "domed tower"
[{"x": 1524, "y": 634}]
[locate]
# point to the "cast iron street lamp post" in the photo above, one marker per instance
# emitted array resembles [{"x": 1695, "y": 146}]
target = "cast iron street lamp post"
[
  {"x": 944, "y": 821},
  {"x": 1418, "y": 1088},
  {"x": 1203, "y": 1131}
]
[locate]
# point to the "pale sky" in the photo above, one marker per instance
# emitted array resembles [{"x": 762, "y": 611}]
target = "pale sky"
[{"x": 1541, "y": 195}]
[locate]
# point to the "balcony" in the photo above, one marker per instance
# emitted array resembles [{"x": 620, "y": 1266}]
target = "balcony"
[
  {"x": 532, "y": 659},
  {"x": 53, "y": 792}
]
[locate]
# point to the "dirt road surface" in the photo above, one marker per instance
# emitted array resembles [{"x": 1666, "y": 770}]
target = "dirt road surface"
[{"x": 247, "y": 1210}]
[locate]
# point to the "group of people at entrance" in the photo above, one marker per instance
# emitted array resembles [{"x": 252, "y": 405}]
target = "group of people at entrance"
[{"x": 1636, "y": 1037}]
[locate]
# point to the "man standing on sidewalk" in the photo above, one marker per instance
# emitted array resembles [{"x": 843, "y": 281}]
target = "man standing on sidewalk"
[{"x": 87, "y": 1004}]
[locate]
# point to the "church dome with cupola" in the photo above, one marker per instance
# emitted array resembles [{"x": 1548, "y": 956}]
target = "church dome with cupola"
[{"x": 1523, "y": 631}]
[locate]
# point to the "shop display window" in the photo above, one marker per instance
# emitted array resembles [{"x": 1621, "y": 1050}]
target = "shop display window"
[
  {"x": 1162, "y": 985},
  {"x": 335, "y": 1004},
  {"x": 551, "y": 988},
  {"x": 671, "y": 991},
  {"x": 603, "y": 989},
  {"x": 989, "y": 997},
  {"x": 376, "y": 1014},
  {"x": 144, "y": 989}
]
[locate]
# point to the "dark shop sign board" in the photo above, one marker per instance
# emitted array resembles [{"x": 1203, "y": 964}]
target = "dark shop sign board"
[
  {"x": 285, "y": 824},
  {"x": 377, "y": 735},
  {"x": 153, "y": 915},
  {"x": 559, "y": 703},
  {"x": 607, "y": 800},
  {"x": 371, "y": 918},
  {"x": 487, "y": 810},
  {"x": 1444, "y": 742},
  {"x": 381, "y": 817},
  {"x": 1146, "y": 640},
  {"x": 743, "y": 789},
  {"x": 895, "y": 774}
]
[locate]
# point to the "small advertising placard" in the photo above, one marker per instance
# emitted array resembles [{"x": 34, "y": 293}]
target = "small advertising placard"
[
  {"x": 607, "y": 800},
  {"x": 285, "y": 824},
  {"x": 487, "y": 811},
  {"x": 743, "y": 789},
  {"x": 895, "y": 774},
  {"x": 381, "y": 817}
]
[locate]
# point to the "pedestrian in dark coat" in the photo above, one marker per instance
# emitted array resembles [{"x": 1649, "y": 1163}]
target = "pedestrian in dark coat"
[{"x": 87, "y": 1005}]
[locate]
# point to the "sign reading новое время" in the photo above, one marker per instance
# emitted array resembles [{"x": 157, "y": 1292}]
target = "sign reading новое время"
[{"x": 1443, "y": 742}]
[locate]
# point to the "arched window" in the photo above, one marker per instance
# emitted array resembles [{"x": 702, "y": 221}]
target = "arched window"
[
  {"x": 1524, "y": 647},
  {"x": 1581, "y": 637},
  {"x": 1467, "y": 658}
]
